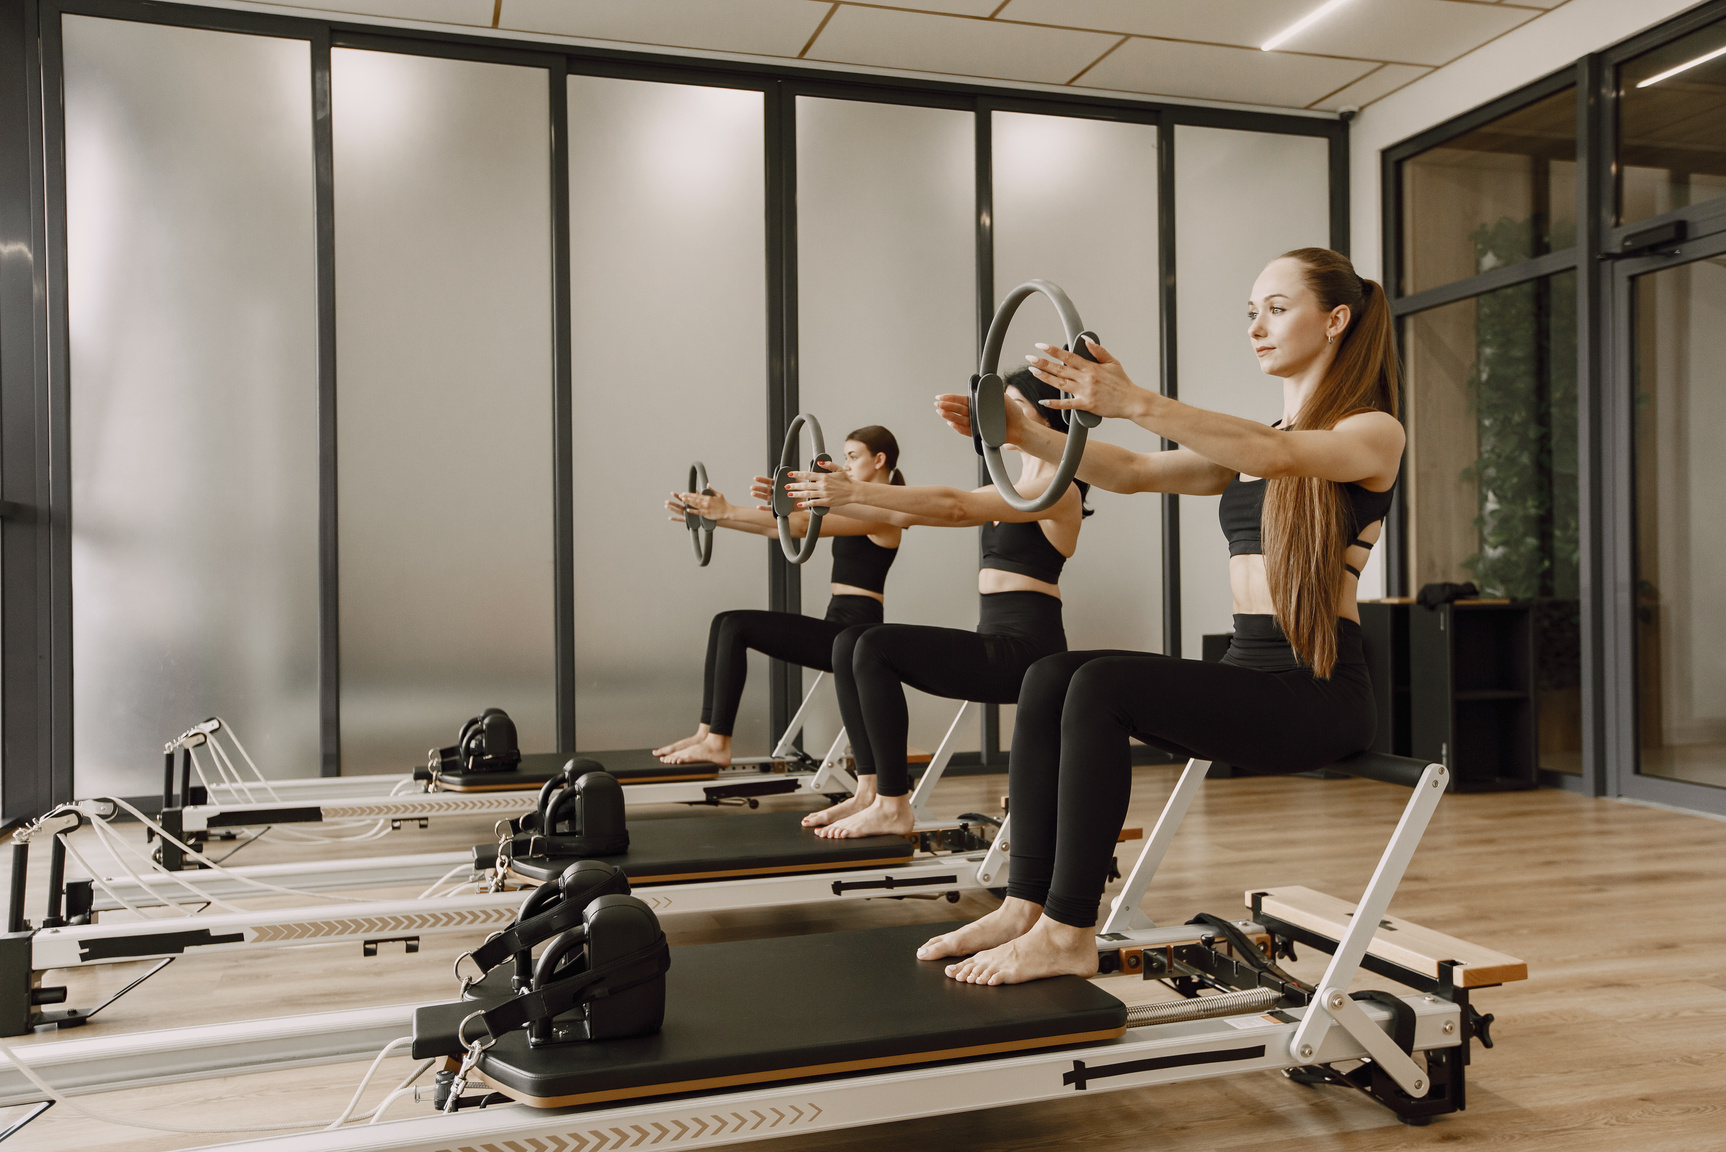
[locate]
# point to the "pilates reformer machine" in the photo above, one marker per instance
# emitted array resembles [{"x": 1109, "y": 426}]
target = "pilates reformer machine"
[
  {"x": 601, "y": 1033},
  {"x": 693, "y": 864}
]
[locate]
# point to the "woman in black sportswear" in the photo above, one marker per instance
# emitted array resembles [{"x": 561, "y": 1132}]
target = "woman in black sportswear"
[
  {"x": 1300, "y": 508},
  {"x": 1019, "y": 620},
  {"x": 863, "y": 551}
]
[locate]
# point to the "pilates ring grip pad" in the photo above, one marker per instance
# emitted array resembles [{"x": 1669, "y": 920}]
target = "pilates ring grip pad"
[
  {"x": 700, "y": 527},
  {"x": 989, "y": 399},
  {"x": 783, "y": 505}
]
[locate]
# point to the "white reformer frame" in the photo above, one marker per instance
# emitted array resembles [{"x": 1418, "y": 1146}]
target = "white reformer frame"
[
  {"x": 333, "y": 793},
  {"x": 1188, "y": 1050}
]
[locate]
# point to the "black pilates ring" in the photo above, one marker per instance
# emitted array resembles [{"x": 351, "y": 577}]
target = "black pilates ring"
[
  {"x": 700, "y": 527},
  {"x": 989, "y": 398},
  {"x": 783, "y": 505}
]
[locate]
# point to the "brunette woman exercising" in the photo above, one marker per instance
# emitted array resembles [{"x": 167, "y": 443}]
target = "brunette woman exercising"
[
  {"x": 1019, "y": 620},
  {"x": 862, "y": 554},
  {"x": 1300, "y": 509}
]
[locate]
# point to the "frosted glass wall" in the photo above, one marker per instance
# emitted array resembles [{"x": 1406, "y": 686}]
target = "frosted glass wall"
[
  {"x": 886, "y": 205},
  {"x": 193, "y": 366},
  {"x": 1241, "y": 200},
  {"x": 668, "y": 316},
  {"x": 1089, "y": 223},
  {"x": 444, "y": 339}
]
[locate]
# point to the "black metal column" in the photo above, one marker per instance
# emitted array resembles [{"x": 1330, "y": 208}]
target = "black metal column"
[{"x": 784, "y": 579}]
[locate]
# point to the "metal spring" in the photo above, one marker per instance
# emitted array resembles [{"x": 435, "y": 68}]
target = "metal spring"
[{"x": 1201, "y": 1008}]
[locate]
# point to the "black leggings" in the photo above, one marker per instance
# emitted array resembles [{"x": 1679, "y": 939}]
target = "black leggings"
[
  {"x": 783, "y": 636},
  {"x": 872, "y": 665},
  {"x": 1070, "y": 774}
]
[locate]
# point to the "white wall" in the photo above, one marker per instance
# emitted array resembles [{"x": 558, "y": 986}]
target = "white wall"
[{"x": 1537, "y": 49}]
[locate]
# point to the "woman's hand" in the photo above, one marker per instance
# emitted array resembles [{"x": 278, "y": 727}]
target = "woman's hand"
[
  {"x": 761, "y": 488},
  {"x": 1102, "y": 387},
  {"x": 714, "y": 507},
  {"x": 833, "y": 488},
  {"x": 956, "y": 411}
]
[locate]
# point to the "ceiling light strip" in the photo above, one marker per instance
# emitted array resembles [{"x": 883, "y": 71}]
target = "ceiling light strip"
[
  {"x": 1302, "y": 24},
  {"x": 1684, "y": 67}
]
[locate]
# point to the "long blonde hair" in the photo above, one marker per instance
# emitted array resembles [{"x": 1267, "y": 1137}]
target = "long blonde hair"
[{"x": 1306, "y": 520}]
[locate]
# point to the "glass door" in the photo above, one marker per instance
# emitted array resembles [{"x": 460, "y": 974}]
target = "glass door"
[{"x": 1672, "y": 325}]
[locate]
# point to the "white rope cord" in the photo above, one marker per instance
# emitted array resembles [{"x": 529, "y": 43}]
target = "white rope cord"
[
  {"x": 405, "y": 1088},
  {"x": 113, "y": 895},
  {"x": 354, "y": 1100},
  {"x": 132, "y": 1122},
  {"x": 112, "y": 840},
  {"x": 250, "y": 763},
  {"x": 194, "y": 854},
  {"x": 445, "y": 879}
]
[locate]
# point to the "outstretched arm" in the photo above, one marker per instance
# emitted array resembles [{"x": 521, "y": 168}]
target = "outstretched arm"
[
  {"x": 1108, "y": 466},
  {"x": 1364, "y": 446},
  {"x": 932, "y": 504}
]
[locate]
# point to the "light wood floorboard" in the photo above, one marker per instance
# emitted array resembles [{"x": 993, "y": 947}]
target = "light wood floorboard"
[{"x": 1617, "y": 1040}]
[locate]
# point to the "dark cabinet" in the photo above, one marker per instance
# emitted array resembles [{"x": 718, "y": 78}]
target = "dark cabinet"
[{"x": 1471, "y": 692}]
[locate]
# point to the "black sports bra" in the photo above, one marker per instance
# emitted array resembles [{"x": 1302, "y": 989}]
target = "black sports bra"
[
  {"x": 1242, "y": 513},
  {"x": 861, "y": 563},
  {"x": 1023, "y": 548}
]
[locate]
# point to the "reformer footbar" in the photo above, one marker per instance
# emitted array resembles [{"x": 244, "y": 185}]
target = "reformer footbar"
[{"x": 989, "y": 399}]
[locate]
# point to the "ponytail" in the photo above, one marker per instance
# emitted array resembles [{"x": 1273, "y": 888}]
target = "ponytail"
[
  {"x": 880, "y": 442},
  {"x": 1306, "y": 520}
]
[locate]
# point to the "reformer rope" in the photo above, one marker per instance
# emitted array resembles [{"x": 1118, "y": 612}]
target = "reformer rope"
[{"x": 132, "y": 1122}]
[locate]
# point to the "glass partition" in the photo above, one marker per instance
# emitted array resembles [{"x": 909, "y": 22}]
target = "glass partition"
[
  {"x": 444, "y": 343},
  {"x": 1502, "y": 193},
  {"x": 1679, "y": 328},
  {"x": 1672, "y": 125},
  {"x": 190, "y": 221},
  {"x": 886, "y": 301},
  {"x": 667, "y": 276},
  {"x": 1231, "y": 222},
  {"x": 1491, "y": 486},
  {"x": 1090, "y": 225}
]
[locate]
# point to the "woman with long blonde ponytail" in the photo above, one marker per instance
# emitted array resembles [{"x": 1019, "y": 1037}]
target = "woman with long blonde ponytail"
[{"x": 1303, "y": 502}]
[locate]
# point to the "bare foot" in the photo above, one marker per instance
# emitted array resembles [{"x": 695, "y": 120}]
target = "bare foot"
[
  {"x": 886, "y": 816},
  {"x": 679, "y": 745},
  {"x": 865, "y": 796},
  {"x": 847, "y": 807},
  {"x": 1048, "y": 949},
  {"x": 710, "y": 749},
  {"x": 1010, "y": 921}
]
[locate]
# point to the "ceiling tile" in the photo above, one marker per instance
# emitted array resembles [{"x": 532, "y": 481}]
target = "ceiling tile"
[
  {"x": 890, "y": 39},
  {"x": 956, "y": 7},
  {"x": 1372, "y": 86},
  {"x": 1409, "y": 31},
  {"x": 762, "y": 27},
  {"x": 1241, "y": 75},
  {"x": 1248, "y": 23},
  {"x": 477, "y": 12}
]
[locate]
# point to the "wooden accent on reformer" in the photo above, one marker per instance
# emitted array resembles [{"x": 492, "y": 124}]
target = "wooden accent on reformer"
[{"x": 1399, "y": 941}]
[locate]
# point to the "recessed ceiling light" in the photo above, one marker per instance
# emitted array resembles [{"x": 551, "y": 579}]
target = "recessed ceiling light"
[
  {"x": 1302, "y": 24},
  {"x": 1684, "y": 67}
]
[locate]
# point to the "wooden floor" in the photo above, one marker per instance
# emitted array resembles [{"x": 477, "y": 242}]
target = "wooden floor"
[{"x": 1616, "y": 1041}]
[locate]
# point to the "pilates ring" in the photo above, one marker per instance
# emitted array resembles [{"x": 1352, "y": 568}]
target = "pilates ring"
[
  {"x": 783, "y": 504},
  {"x": 700, "y": 527},
  {"x": 989, "y": 398}
]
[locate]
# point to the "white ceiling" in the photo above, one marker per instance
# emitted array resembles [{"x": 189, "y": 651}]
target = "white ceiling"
[{"x": 1193, "y": 49}]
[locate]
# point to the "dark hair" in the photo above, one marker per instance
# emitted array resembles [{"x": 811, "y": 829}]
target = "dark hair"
[
  {"x": 1060, "y": 419},
  {"x": 880, "y": 442},
  {"x": 1306, "y": 519}
]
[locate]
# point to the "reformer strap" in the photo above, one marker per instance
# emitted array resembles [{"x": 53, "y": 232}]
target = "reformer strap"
[
  {"x": 620, "y": 975},
  {"x": 537, "y": 929}
]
